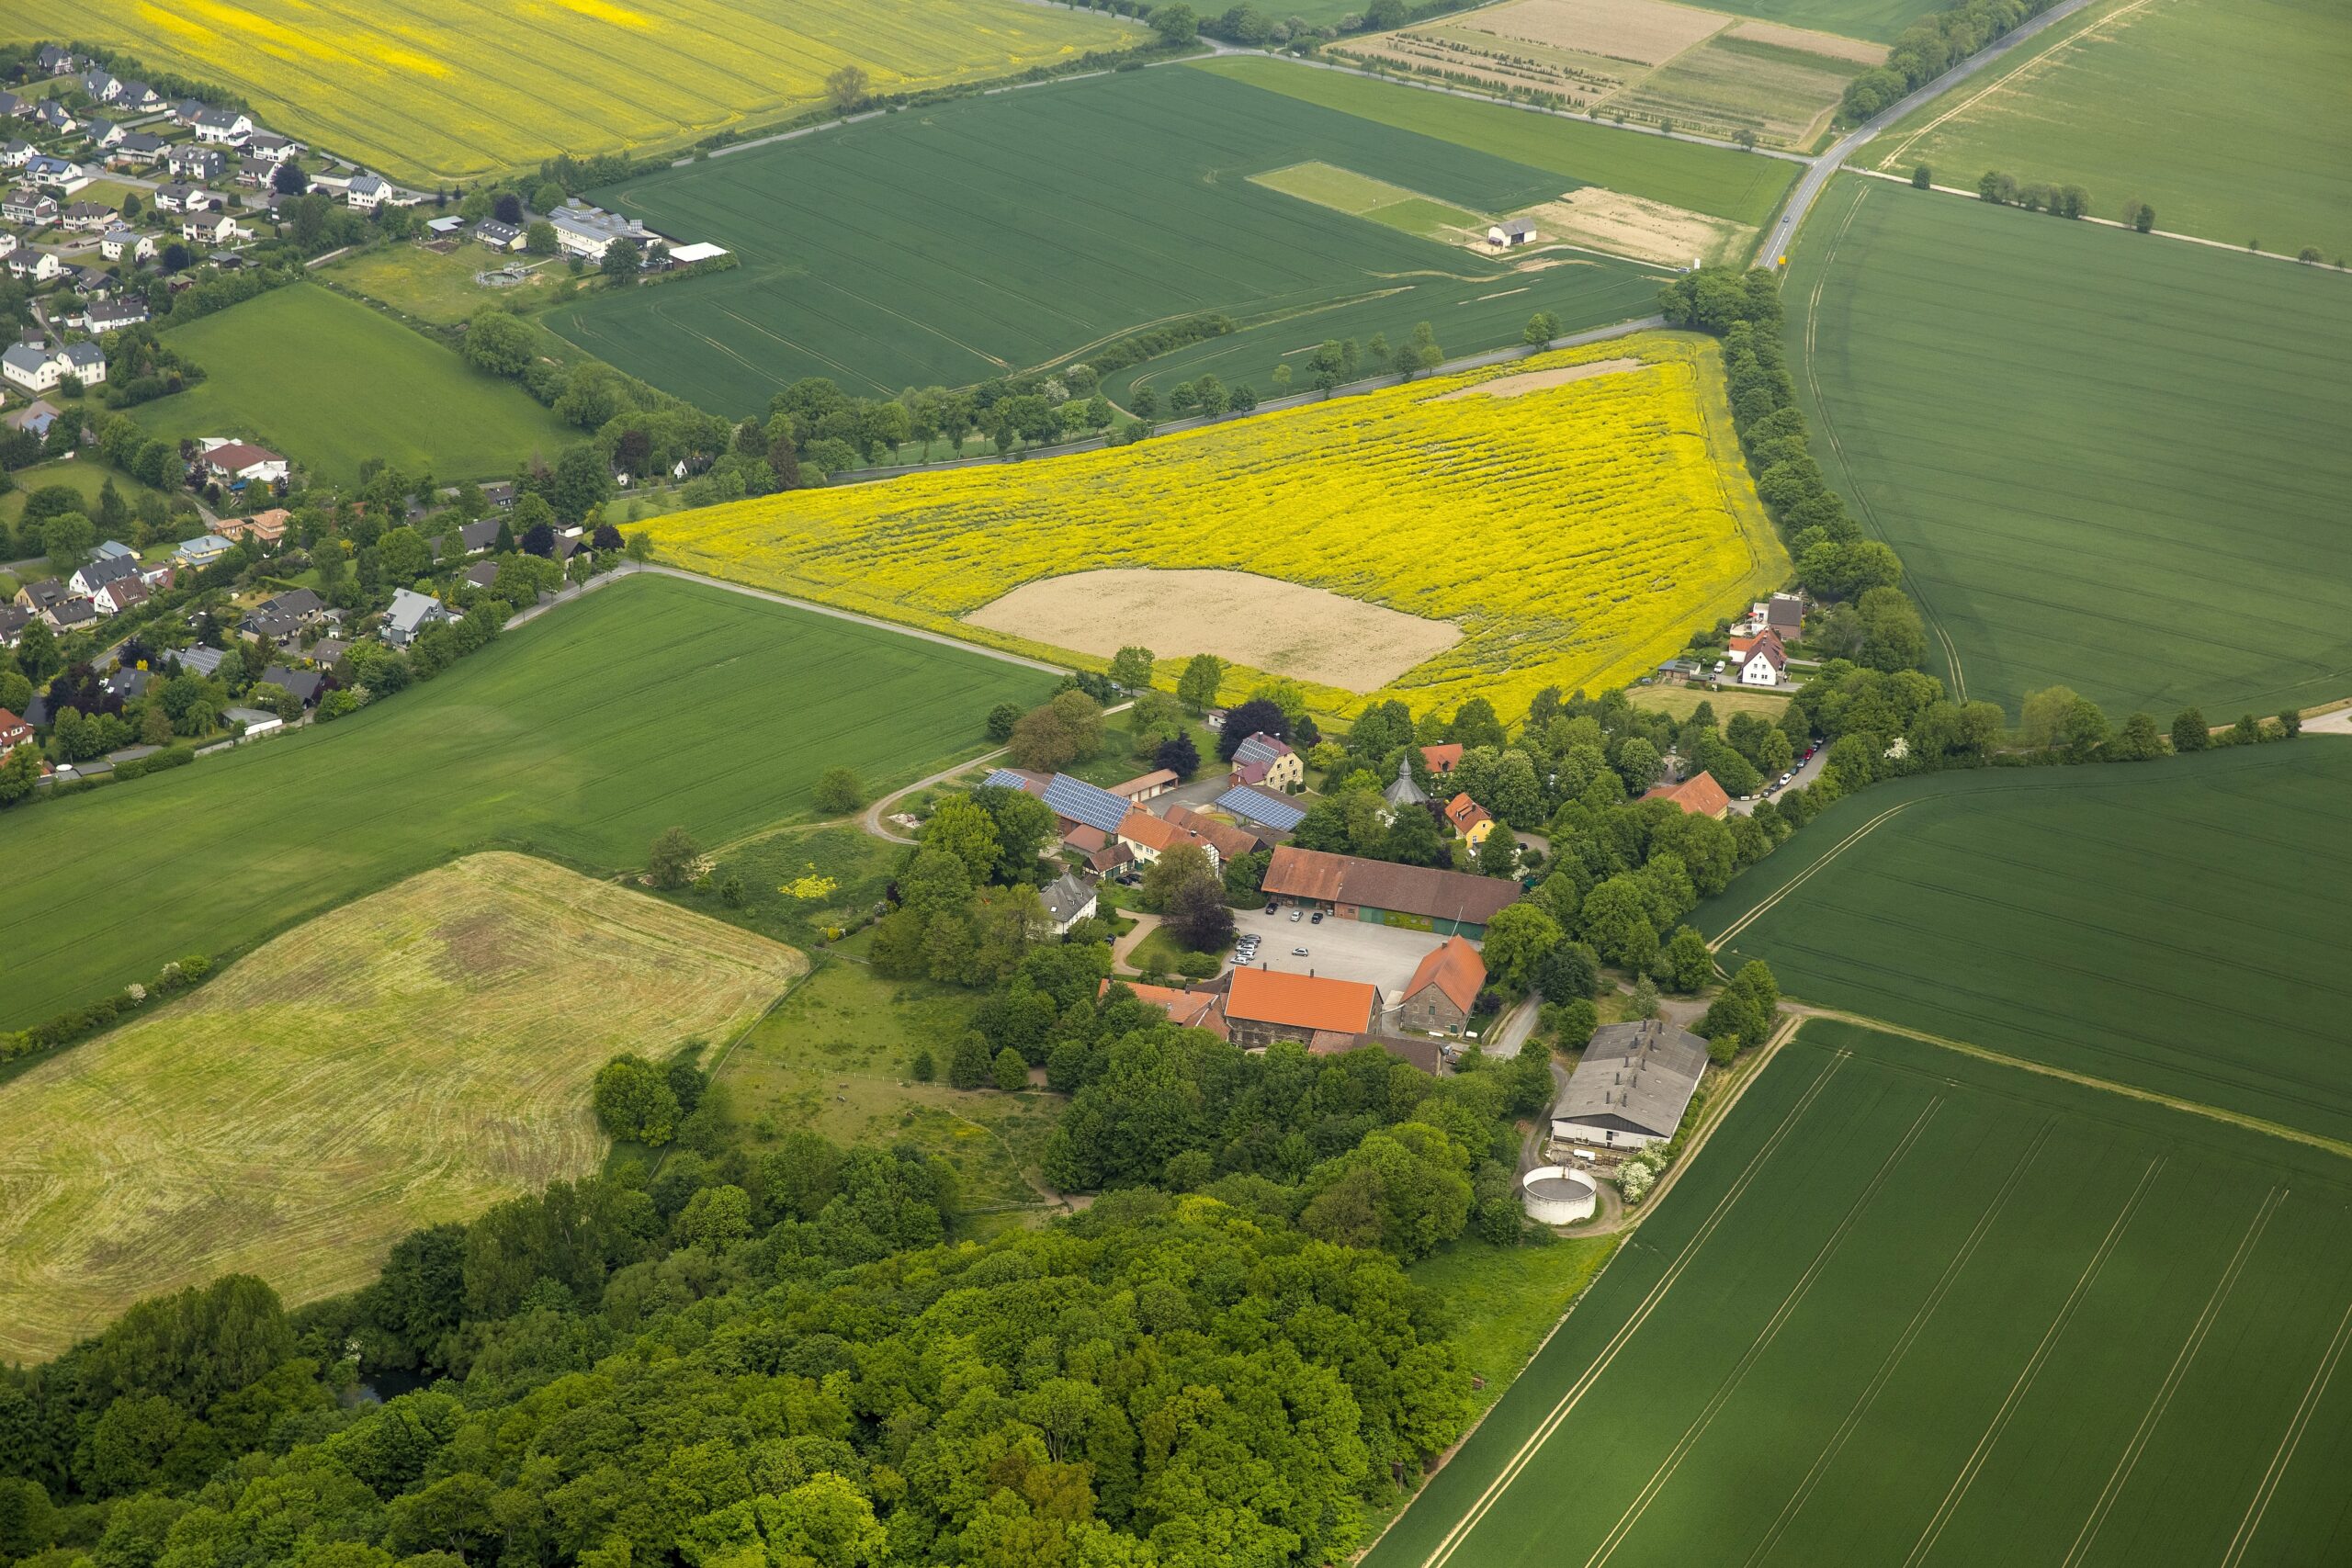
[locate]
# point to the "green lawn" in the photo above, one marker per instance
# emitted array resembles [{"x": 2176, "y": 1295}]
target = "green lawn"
[
  {"x": 1881, "y": 21},
  {"x": 86, "y": 478},
  {"x": 2107, "y": 461},
  {"x": 440, "y": 287},
  {"x": 2227, "y": 116},
  {"x": 952, "y": 244},
  {"x": 1737, "y": 186},
  {"x": 649, "y": 704},
  {"x": 2179, "y": 925},
  {"x": 1908, "y": 1306},
  {"x": 331, "y": 383}
]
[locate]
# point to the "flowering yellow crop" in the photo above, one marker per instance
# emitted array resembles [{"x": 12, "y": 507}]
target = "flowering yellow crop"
[
  {"x": 432, "y": 90},
  {"x": 811, "y": 885},
  {"x": 1575, "y": 531}
]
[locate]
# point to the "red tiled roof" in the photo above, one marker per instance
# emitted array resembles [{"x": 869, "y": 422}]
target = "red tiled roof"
[
  {"x": 1454, "y": 968},
  {"x": 238, "y": 455},
  {"x": 1154, "y": 779},
  {"x": 1302, "y": 1002},
  {"x": 1465, "y": 813},
  {"x": 1231, "y": 843},
  {"x": 1085, "y": 840},
  {"x": 1156, "y": 833},
  {"x": 1193, "y": 1010},
  {"x": 1419, "y": 890},
  {"x": 1768, "y": 641},
  {"x": 1699, "y": 795},
  {"x": 1442, "y": 759}
]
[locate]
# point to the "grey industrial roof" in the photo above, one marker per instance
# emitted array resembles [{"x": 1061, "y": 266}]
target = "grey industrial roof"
[
  {"x": 1083, "y": 802},
  {"x": 1641, "y": 1074},
  {"x": 1261, "y": 806}
]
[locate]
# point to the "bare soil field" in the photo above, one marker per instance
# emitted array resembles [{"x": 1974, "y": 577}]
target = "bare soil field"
[
  {"x": 1284, "y": 628},
  {"x": 1647, "y": 231},
  {"x": 1538, "y": 380},
  {"x": 1807, "y": 41},
  {"x": 409, "y": 1058}
]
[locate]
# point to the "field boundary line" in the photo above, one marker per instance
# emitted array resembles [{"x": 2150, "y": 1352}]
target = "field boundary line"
[
  {"x": 1801, "y": 877},
  {"x": 2128, "y": 1460},
  {"x": 1592, "y": 1374},
  {"x": 1763, "y": 1341},
  {"x": 2130, "y": 1091},
  {"x": 2032, "y": 1371},
  {"x": 1900, "y": 1349},
  {"x": 2288, "y": 1441}
]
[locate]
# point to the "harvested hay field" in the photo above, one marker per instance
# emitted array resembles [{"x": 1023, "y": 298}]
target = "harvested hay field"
[
  {"x": 1646, "y": 32},
  {"x": 1538, "y": 380},
  {"x": 1285, "y": 628},
  {"x": 407, "y": 1059},
  {"x": 1806, "y": 41},
  {"x": 1645, "y": 230}
]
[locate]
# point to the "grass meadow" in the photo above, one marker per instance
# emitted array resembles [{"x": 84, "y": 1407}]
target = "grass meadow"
[
  {"x": 85, "y": 477},
  {"x": 1616, "y": 515},
  {"x": 952, "y": 245},
  {"x": 439, "y": 287},
  {"x": 2226, "y": 115},
  {"x": 649, "y": 704},
  {"x": 2180, "y": 926},
  {"x": 406, "y": 1059},
  {"x": 331, "y": 383},
  {"x": 2109, "y": 461},
  {"x": 1909, "y": 1307},
  {"x": 1881, "y": 21},
  {"x": 452, "y": 90}
]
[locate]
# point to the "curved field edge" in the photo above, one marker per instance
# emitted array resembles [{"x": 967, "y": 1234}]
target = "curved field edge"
[
  {"x": 835, "y": 546},
  {"x": 2177, "y": 926},
  {"x": 649, "y": 703},
  {"x": 408, "y": 1058}
]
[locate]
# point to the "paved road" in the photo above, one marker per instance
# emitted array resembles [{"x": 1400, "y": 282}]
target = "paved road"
[
  {"x": 1816, "y": 177},
  {"x": 1806, "y": 773}
]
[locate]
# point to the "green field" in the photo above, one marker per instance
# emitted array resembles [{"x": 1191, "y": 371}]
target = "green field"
[
  {"x": 405, "y": 1060},
  {"x": 83, "y": 476},
  {"x": 1881, "y": 21},
  {"x": 1361, "y": 195},
  {"x": 2227, "y": 116},
  {"x": 2107, "y": 461},
  {"x": 1909, "y": 1307},
  {"x": 331, "y": 383},
  {"x": 649, "y": 703},
  {"x": 939, "y": 246},
  {"x": 1682, "y": 173},
  {"x": 2180, "y": 925},
  {"x": 439, "y": 287}
]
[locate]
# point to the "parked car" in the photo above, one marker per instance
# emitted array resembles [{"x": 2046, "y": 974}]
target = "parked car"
[
  {"x": 1317, "y": 920},
  {"x": 1271, "y": 905},
  {"x": 1295, "y": 914},
  {"x": 1298, "y": 952}
]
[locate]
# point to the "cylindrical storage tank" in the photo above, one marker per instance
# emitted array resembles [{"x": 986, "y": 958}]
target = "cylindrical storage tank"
[{"x": 1555, "y": 1195}]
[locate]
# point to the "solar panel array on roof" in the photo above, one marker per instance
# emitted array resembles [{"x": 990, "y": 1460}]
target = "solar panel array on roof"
[
  {"x": 1004, "y": 778},
  {"x": 1083, "y": 802},
  {"x": 1257, "y": 806}
]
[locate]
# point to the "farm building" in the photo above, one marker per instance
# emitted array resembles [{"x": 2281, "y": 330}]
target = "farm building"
[
  {"x": 1631, "y": 1086},
  {"x": 1068, "y": 901},
  {"x": 1380, "y": 893},
  {"x": 1149, "y": 786},
  {"x": 1148, "y": 838},
  {"x": 1075, "y": 801},
  {"x": 1511, "y": 231},
  {"x": 1443, "y": 991},
  {"x": 1262, "y": 759},
  {"x": 588, "y": 231},
  {"x": 1192, "y": 1010},
  {"x": 1257, "y": 808},
  {"x": 1229, "y": 841},
  {"x": 1325, "y": 1015},
  {"x": 1699, "y": 795}
]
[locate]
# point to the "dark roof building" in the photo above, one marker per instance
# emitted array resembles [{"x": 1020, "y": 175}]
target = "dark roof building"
[
  {"x": 1631, "y": 1086},
  {"x": 1262, "y": 808}
]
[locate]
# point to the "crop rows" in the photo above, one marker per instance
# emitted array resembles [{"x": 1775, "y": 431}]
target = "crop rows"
[
  {"x": 1575, "y": 533},
  {"x": 1910, "y": 1307}
]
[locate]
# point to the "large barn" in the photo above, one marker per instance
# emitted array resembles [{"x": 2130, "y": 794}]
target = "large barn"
[
  {"x": 1631, "y": 1086},
  {"x": 1450, "y": 903}
]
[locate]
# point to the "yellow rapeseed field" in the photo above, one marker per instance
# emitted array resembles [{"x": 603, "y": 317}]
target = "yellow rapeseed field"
[
  {"x": 438, "y": 91},
  {"x": 1575, "y": 531}
]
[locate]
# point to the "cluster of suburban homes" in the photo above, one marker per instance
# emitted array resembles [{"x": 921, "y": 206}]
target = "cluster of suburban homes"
[{"x": 1351, "y": 951}]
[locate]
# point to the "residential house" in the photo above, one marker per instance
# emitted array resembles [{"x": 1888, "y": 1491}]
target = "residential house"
[
  {"x": 500, "y": 493},
  {"x": 25, "y": 205},
  {"x": 47, "y": 169},
  {"x": 226, "y": 127},
  {"x": 44, "y": 596},
  {"x": 35, "y": 416},
  {"x": 13, "y": 732},
  {"x": 1068, "y": 901},
  {"x": 16, "y": 154},
  {"x": 40, "y": 266},
  {"x": 185, "y": 112},
  {"x": 236, "y": 461},
  {"x": 203, "y": 551},
  {"x": 103, "y": 134},
  {"x": 120, "y": 243},
  {"x": 136, "y": 149},
  {"x": 1443, "y": 991},
  {"x": 1469, "y": 820},
  {"x": 1631, "y": 1086},
  {"x": 1441, "y": 761},
  {"x": 13, "y": 622},
  {"x": 54, "y": 118},
  {"x": 1785, "y": 617},
  {"x": 201, "y": 660},
  {"x": 410, "y": 615},
  {"x": 125, "y": 594},
  {"x": 368, "y": 192},
  {"x": 208, "y": 228},
  {"x": 287, "y": 615},
  {"x": 307, "y": 684},
  {"x": 71, "y": 614},
  {"x": 588, "y": 231},
  {"x": 269, "y": 147},
  {"x": 100, "y": 570},
  {"x": 327, "y": 652},
  {"x": 7, "y": 243},
  {"x": 1185, "y": 1008},
  {"x": 1419, "y": 898},
  {"x": 1262, "y": 759},
  {"x": 255, "y": 723},
  {"x": 98, "y": 85},
  {"x": 1263, "y": 809},
  {"x": 195, "y": 163},
  {"x": 138, "y": 97},
  {"x": 1511, "y": 231},
  {"x": 39, "y": 369},
  {"x": 89, "y": 215},
  {"x": 1760, "y": 660},
  {"x": 1148, "y": 838},
  {"x": 1699, "y": 795},
  {"x": 476, "y": 536},
  {"x": 113, "y": 315},
  {"x": 268, "y": 527},
  {"x": 499, "y": 236},
  {"x": 1148, "y": 786},
  {"x": 1325, "y": 1015},
  {"x": 481, "y": 574},
  {"x": 52, "y": 60},
  {"x": 14, "y": 105},
  {"x": 179, "y": 197},
  {"x": 1229, "y": 841}
]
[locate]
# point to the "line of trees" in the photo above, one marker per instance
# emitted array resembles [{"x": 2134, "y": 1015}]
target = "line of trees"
[{"x": 1929, "y": 47}]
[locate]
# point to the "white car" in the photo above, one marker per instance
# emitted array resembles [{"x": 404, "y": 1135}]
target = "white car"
[{"x": 1295, "y": 915}]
